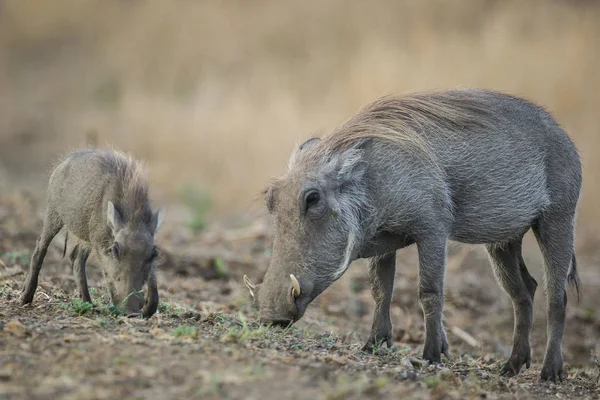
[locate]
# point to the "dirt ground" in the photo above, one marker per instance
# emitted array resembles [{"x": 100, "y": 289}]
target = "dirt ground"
[{"x": 204, "y": 343}]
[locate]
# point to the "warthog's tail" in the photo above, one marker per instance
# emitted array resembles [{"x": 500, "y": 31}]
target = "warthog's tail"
[{"x": 573, "y": 277}]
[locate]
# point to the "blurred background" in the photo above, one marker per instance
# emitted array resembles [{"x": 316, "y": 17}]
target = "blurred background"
[{"x": 215, "y": 95}]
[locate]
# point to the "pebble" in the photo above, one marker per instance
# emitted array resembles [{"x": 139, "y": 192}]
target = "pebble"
[{"x": 405, "y": 362}]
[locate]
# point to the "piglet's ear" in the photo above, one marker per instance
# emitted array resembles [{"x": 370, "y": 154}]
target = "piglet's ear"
[
  {"x": 157, "y": 219},
  {"x": 113, "y": 218}
]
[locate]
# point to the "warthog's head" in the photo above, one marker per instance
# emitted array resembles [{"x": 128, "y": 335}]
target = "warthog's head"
[
  {"x": 317, "y": 207},
  {"x": 130, "y": 259}
]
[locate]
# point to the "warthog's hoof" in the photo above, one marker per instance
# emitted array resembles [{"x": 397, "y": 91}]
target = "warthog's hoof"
[
  {"x": 552, "y": 370},
  {"x": 432, "y": 352},
  {"x": 25, "y": 298},
  {"x": 375, "y": 343},
  {"x": 513, "y": 366}
]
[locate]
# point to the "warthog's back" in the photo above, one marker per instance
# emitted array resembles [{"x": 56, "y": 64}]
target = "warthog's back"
[
  {"x": 82, "y": 184},
  {"x": 501, "y": 160}
]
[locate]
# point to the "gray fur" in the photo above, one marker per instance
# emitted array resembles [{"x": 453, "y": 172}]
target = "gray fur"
[
  {"x": 472, "y": 166},
  {"x": 101, "y": 198}
]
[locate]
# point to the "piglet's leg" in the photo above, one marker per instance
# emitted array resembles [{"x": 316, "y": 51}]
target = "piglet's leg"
[
  {"x": 79, "y": 263},
  {"x": 52, "y": 225}
]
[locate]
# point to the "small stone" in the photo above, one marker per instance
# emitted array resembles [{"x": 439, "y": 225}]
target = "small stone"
[
  {"x": 417, "y": 363},
  {"x": 445, "y": 372},
  {"x": 408, "y": 375},
  {"x": 405, "y": 362}
]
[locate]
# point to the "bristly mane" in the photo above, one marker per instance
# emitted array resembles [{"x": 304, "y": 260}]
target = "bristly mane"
[
  {"x": 131, "y": 179},
  {"x": 401, "y": 119}
]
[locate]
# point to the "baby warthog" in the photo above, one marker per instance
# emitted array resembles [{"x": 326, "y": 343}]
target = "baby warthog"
[
  {"x": 471, "y": 166},
  {"x": 101, "y": 198}
]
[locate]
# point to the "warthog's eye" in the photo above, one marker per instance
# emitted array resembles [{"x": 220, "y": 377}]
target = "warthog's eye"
[
  {"x": 114, "y": 250},
  {"x": 154, "y": 254},
  {"x": 311, "y": 199}
]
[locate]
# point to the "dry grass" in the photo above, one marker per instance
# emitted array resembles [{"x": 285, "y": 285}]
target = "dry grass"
[{"x": 216, "y": 94}]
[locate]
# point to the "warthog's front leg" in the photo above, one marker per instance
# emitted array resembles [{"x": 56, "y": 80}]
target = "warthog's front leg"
[
  {"x": 432, "y": 263},
  {"x": 381, "y": 277},
  {"x": 79, "y": 257}
]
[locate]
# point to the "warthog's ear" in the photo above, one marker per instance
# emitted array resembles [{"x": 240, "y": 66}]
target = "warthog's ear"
[
  {"x": 113, "y": 218},
  {"x": 350, "y": 165},
  {"x": 157, "y": 219},
  {"x": 308, "y": 143}
]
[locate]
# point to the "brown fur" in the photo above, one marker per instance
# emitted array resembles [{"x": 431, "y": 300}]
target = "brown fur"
[{"x": 131, "y": 175}]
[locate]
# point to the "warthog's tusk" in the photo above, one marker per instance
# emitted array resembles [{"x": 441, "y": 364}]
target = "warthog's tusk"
[
  {"x": 249, "y": 283},
  {"x": 296, "y": 290},
  {"x": 251, "y": 286}
]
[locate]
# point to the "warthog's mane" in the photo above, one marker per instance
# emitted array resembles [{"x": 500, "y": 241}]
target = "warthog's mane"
[
  {"x": 130, "y": 176},
  {"x": 401, "y": 119}
]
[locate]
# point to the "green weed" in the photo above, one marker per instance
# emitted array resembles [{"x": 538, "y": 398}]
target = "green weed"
[
  {"x": 183, "y": 331},
  {"x": 242, "y": 332},
  {"x": 221, "y": 268},
  {"x": 20, "y": 257},
  {"x": 432, "y": 380},
  {"x": 78, "y": 306}
]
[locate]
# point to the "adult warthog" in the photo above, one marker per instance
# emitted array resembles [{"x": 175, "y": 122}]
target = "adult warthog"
[{"x": 472, "y": 166}]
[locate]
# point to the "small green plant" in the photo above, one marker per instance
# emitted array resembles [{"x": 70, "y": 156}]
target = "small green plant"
[
  {"x": 432, "y": 380},
  {"x": 241, "y": 332},
  {"x": 183, "y": 331},
  {"x": 171, "y": 309},
  {"x": 103, "y": 305},
  {"x": 329, "y": 338},
  {"x": 199, "y": 203},
  {"x": 135, "y": 292},
  {"x": 20, "y": 257},
  {"x": 78, "y": 306},
  {"x": 221, "y": 268},
  {"x": 166, "y": 308},
  {"x": 112, "y": 310},
  {"x": 296, "y": 346},
  {"x": 81, "y": 307}
]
